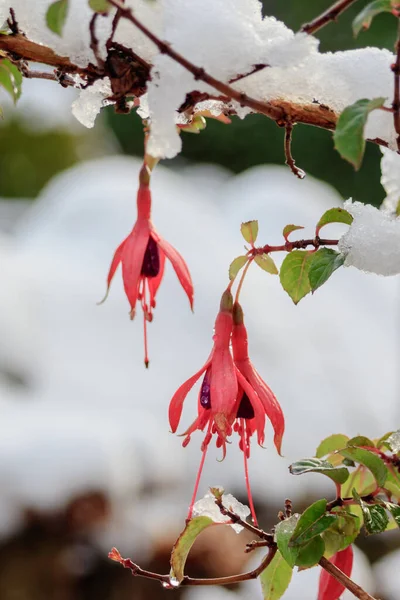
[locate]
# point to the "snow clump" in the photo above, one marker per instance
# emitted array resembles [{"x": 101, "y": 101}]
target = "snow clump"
[{"x": 206, "y": 507}]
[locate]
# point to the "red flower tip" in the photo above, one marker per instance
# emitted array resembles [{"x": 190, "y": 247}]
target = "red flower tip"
[
  {"x": 142, "y": 256},
  {"x": 115, "y": 555},
  {"x": 329, "y": 588}
]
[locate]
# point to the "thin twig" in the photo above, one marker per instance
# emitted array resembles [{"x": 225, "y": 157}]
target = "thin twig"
[
  {"x": 327, "y": 16},
  {"x": 165, "y": 580},
  {"x": 348, "y": 583},
  {"x": 94, "y": 42},
  {"x": 396, "y": 96},
  {"x": 268, "y": 537},
  {"x": 255, "y": 69},
  {"x": 316, "y": 242},
  {"x": 288, "y": 152},
  {"x": 63, "y": 79},
  {"x": 12, "y": 22}
]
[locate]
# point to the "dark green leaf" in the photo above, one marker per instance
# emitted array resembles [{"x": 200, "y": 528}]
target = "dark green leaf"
[
  {"x": 100, "y": 6},
  {"x": 56, "y": 16},
  {"x": 287, "y": 230},
  {"x": 294, "y": 274},
  {"x": 375, "y": 517},
  {"x": 360, "y": 440},
  {"x": 283, "y": 532},
  {"x": 312, "y": 522},
  {"x": 310, "y": 554},
  {"x": 183, "y": 544},
  {"x": 349, "y": 134},
  {"x": 331, "y": 443},
  {"x": 334, "y": 215},
  {"x": 322, "y": 264},
  {"x": 266, "y": 263},
  {"x": 317, "y": 465},
  {"x": 364, "y": 19},
  {"x": 10, "y": 78},
  {"x": 235, "y": 266},
  {"x": 275, "y": 578},
  {"x": 370, "y": 460},
  {"x": 342, "y": 532},
  {"x": 249, "y": 231},
  {"x": 394, "y": 509}
]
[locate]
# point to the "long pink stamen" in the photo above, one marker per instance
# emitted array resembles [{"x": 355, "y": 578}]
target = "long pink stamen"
[
  {"x": 199, "y": 472},
  {"x": 246, "y": 474},
  {"x": 144, "y": 307}
]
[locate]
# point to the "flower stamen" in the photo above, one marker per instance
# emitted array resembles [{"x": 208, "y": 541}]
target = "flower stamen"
[{"x": 245, "y": 449}]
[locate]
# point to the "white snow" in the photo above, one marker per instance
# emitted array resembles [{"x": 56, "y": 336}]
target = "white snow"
[
  {"x": 90, "y": 101},
  {"x": 372, "y": 243},
  {"x": 206, "y": 507},
  {"x": 390, "y": 167}
]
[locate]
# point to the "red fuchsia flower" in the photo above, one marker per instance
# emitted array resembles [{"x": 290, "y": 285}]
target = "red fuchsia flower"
[
  {"x": 246, "y": 424},
  {"x": 329, "y": 588},
  {"x": 227, "y": 400},
  {"x": 142, "y": 256}
]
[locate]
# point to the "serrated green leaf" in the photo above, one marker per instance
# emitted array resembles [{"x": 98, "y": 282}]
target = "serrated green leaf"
[
  {"x": 322, "y": 264},
  {"x": 287, "y": 230},
  {"x": 10, "y": 79},
  {"x": 331, "y": 443},
  {"x": 375, "y": 517},
  {"x": 56, "y": 16},
  {"x": 310, "y": 554},
  {"x": 364, "y": 18},
  {"x": 349, "y": 134},
  {"x": 100, "y": 6},
  {"x": 394, "y": 509},
  {"x": 249, "y": 231},
  {"x": 317, "y": 465},
  {"x": 184, "y": 543},
  {"x": 334, "y": 215},
  {"x": 266, "y": 263},
  {"x": 370, "y": 460},
  {"x": 235, "y": 266},
  {"x": 342, "y": 533},
  {"x": 294, "y": 274},
  {"x": 283, "y": 533},
  {"x": 275, "y": 578},
  {"x": 312, "y": 522},
  {"x": 360, "y": 440}
]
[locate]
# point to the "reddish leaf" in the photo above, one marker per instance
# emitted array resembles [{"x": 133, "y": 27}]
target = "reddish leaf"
[{"x": 329, "y": 587}]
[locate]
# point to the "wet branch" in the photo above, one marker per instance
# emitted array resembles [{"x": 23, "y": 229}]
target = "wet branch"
[
  {"x": 316, "y": 242},
  {"x": 288, "y": 152},
  {"x": 327, "y": 16}
]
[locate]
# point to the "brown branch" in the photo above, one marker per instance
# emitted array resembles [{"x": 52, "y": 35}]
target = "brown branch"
[
  {"x": 94, "y": 42},
  {"x": 348, "y": 583},
  {"x": 288, "y": 152},
  {"x": 316, "y": 242},
  {"x": 396, "y": 95},
  {"x": 268, "y": 537},
  {"x": 255, "y": 69},
  {"x": 165, "y": 580},
  {"x": 63, "y": 79},
  {"x": 327, "y": 16}
]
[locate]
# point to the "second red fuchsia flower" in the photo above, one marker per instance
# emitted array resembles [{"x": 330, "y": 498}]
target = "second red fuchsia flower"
[
  {"x": 232, "y": 397},
  {"x": 142, "y": 256}
]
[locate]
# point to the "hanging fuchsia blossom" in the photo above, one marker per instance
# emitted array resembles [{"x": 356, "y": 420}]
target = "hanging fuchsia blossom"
[
  {"x": 232, "y": 397},
  {"x": 142, "y": 256}
]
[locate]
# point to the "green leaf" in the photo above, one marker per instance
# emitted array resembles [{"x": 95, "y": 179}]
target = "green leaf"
[
  {"x": 370, "y": 460},
  {"x": 283, "y": 532},
  {"x": 311, "y": 553},
  {"x": 375, "y": 517},
  {"x": 398, "y": 209},
  {"x": 312, "y": 522},
  {"x": 322, "y": 264},
  {"x": 331, "y": 443},
  {"x": 56, "y": 16},
  {"x": 287, "y": 230},
  {"x": 342, "y": 532},
  {"x": 184, "y": 543},
  {"x": 235, "y": 266},
  {"x": 392, "y": 483},
  {"x": 249, "y": 231},
  {"x": 294, "y": 274},
  {"x": 334, "y": 215},
  {"x": 361, "y": 440},
  {"x": 266, "y": 263},
  {"x": 317, "y": 465},
  {"x": 100, "y": 6},
  {"x": 394, "y": 509},
  {"x": 10, "y": 79},
  {"x": 275, "y": 578},
  {"x": 364, "y": 19},
  {"x": 349, "y": 134}
]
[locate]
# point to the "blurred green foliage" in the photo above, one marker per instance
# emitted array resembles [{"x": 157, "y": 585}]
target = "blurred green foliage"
[{"x": 257, "y": 140}]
